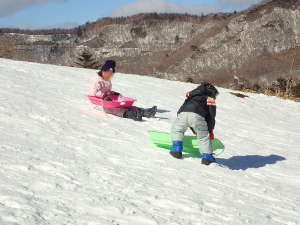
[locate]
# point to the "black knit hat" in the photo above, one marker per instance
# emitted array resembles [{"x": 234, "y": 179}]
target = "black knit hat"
[
  {"x": 108, "y": 65},
  {"x": 212, "y": 91},
  {"x": 209, "y": 89}
]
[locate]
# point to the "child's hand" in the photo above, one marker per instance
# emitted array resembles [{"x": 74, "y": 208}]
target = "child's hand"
[
  {"x": 116, "y": 93},
  {"x": 187, "y": 94},
  {"x": 212, "y": 135},
  {"x": 107, "y": 98}
]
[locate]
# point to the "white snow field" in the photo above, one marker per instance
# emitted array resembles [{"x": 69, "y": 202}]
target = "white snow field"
[{"x": 64, "y": 162}]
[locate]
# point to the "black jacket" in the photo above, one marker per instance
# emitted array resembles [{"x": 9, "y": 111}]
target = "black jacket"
[{"x": 202, "y": 101}]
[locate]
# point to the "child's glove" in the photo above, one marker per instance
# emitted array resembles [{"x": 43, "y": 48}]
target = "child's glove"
[
  {"x": 211, "y": 135},
  {"x": 116, "y": 93},
  {"x": 107, "y": 98}
]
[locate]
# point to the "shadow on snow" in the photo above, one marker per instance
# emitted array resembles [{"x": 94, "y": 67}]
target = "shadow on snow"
[
  {"x": 163, "y": 111},
  {"x": 249, "y": 161}
]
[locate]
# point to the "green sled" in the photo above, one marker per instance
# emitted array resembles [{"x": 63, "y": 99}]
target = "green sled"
[{"x": 190, "y": 144}]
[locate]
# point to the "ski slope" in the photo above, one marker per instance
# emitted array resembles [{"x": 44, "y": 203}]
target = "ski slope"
[{"x": 64, "y": 162}]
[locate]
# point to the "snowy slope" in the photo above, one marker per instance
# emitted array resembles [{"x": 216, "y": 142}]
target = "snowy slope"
[{"x": 64, "y": 162}]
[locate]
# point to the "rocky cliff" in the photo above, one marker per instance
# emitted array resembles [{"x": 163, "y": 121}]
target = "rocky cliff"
[{"x": 258, "y": 44}]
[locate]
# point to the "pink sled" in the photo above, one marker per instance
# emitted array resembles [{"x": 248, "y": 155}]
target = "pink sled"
[{"x": 117, "y": 101}]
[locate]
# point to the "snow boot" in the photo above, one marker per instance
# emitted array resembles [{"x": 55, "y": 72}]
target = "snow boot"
[
  {"x": 176, "y": 150},
  {"x": 207, "y": 159},
  {"x": 133, "y": 113},
  {"x": 150, "y": 113},
  {"x": 177, "y": 155}
]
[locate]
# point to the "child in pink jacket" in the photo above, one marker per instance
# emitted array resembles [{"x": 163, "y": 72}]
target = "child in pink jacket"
[{"x": 102, "y": 88}]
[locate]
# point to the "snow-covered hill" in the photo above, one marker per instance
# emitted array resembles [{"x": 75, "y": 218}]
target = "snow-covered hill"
[{"x": 64, "y": 162}]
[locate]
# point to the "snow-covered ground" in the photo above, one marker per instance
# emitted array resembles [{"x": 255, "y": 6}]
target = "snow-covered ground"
[{"x": 64, "y": 162}]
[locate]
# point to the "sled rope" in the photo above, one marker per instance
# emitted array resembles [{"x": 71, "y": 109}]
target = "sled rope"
[{"x": 217, "y": 153}]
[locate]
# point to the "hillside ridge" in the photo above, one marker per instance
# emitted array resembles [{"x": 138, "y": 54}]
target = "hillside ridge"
[{"x": 257, "y": 45}]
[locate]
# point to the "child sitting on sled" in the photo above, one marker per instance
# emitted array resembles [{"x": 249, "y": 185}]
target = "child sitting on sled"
[
  {"x": 102, "y": 88},
  {"x": 197, "y": 112}
]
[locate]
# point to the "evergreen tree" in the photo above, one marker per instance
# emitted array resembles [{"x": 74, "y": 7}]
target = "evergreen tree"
[{"x": 86, "y": 59}]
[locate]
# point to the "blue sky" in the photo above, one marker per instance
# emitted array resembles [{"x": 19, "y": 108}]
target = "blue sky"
[{"x": 49, "y": 13}]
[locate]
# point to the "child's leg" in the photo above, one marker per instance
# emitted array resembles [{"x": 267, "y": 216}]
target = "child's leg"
[
  {"x": 115, "y": 111},
  {"x": 200, "y": 126},
  {"x": 178, "y": 129},
  {"x": 149, "y": 113},
  {"x": 134, "y": 113}
]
